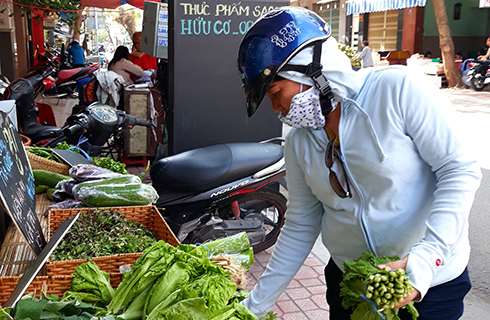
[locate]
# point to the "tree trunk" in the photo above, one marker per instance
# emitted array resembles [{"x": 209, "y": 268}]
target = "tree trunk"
[
  {"x": 446, "y": 44},
  {"x": 77, "y": 25}
]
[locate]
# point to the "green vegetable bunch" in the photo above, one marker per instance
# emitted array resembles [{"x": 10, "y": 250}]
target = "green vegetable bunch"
[
  {"x": 66, "y": 146},
  {"x": 103, "y": 233},
  {"x": 387, "y": 287},
  {"x": 383, "y": 288},
  {"x": 110, "y": 164},
  {"x": 351, "y": 54},
  {"x": 45, "y": 153}
]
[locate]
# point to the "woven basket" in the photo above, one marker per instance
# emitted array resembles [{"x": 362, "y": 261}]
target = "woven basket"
[
  {"x": 55, "y": 285},
  {"x": 41, "y": 163},
  {"x": 146, "y": 215}
]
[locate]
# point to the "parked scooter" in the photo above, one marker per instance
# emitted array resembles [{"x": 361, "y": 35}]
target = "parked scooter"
[
  {"x": 479, "y": 74},
  {"x": 206, "y": 193},
  {"x": 62, "y": 83}
]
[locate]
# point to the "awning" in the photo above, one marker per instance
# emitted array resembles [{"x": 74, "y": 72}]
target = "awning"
[
  {"x": 363, "y": 6},
  {"x": 113, "y": 4}
]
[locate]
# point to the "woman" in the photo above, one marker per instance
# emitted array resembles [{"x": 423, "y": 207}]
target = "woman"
[
  {"x": 121, "y": 65},
  {"x": 373, "y": 164}
]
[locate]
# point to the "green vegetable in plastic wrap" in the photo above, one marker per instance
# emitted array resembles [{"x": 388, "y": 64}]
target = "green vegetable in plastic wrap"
[
  {"x": 114, "y": 195},
  {"x": 233, "y": 244}
]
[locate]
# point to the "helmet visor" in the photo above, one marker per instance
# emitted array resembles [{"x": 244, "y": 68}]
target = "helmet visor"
[{"x": 257, "y": 88}]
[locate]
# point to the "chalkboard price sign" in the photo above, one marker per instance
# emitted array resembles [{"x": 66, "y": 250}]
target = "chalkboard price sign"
[{"x": 17, "y": 189}]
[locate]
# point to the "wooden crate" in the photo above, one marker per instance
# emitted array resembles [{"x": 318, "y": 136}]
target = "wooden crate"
[
  {"x": 146, "y": 215},
  {"x": 54, "y": 285}
]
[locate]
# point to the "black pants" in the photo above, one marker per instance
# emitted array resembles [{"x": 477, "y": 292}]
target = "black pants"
[{"x": 442, "y": 302}]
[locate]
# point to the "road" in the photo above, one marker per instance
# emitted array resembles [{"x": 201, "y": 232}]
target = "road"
[{"x": 474, "y": 115}]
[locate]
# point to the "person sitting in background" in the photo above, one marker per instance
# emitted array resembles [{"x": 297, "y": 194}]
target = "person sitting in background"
[
  {"x": 485, "y": 57},
  {"x": 428, "y": 55},
  {"x": 140, "y": 58},
  {"x": 76, "y": 55},
  {"x": 121, "y": 65}
]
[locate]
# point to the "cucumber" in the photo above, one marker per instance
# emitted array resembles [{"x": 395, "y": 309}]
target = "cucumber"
[
  {"x": 47, "y": 178},
  {"x": 49, "y": 193},
  {"x": 132, "y": 194},
  {"x": 41, "y": 189},
  {"x": 123, "y": 179}
]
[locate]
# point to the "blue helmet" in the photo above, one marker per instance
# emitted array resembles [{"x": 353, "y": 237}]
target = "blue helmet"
[{"x": 270, "y": 43}]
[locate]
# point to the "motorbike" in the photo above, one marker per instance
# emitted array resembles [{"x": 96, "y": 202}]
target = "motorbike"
[
  {"x": 63, "y": 82},
  {"x": 479, "y": 74},
  {"x": 206, "y": 193}
]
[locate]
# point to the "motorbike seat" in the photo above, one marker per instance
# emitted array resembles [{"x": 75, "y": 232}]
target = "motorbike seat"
[
  {"x": 72, "y": 74},
  {"x": 41, "y": 132},
  {"x": 209, "y": 167}
]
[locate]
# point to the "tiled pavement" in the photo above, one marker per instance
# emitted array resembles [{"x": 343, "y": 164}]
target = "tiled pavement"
[{"x": 304, "y": 298}]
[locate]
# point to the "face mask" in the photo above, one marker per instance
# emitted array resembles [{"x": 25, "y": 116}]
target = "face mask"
[{"x": 305, "y": 110}]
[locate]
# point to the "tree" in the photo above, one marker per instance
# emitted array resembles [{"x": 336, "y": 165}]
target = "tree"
[
  {"x": 126, "y": 18},
  {"x": 446, "y": 44},
  {"x": 68, "y": 6}
]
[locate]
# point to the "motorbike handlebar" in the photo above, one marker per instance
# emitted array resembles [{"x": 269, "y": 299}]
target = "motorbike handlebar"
[
  {"x": 132, "y": 121},
  {"x": 73, "y": 129}
]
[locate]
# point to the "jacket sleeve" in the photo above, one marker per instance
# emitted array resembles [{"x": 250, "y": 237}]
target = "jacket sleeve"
[
  {"x": 429, "y": 118},
  {"x": 132, "y": 68},
  {"x": 297, "y": 237}
]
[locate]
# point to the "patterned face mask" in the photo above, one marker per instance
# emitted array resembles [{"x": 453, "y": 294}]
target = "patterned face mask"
[{"x": 305, "y": 110}]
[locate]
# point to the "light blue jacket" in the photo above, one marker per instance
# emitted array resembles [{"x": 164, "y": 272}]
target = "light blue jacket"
[{"x": 413, "y": 186}]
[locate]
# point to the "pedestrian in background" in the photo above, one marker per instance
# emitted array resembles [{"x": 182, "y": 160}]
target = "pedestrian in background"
[
  {"x": 373, "y": 164},
  {"x": 76, "y": 55},
  {"x": 365, "y": 56}
]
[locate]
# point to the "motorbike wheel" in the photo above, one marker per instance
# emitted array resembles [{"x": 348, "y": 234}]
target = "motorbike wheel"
[
  {"x": 267, "y": 202},
  {"x": 478, "y": 82}
]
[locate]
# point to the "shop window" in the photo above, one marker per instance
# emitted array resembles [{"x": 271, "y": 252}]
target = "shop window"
[{"x": 457, "y": 11}]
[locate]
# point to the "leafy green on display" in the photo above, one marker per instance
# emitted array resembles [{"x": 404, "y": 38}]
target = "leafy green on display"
[
  {"x": 110, "y": 164},
  {"x": 102, "y": 233},
  {"x": 90, "y": 278},
  {"x": 166, "y": 282},
  {"x": 358, "y": 284}
]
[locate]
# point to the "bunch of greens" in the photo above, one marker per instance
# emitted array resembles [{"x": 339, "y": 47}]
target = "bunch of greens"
[
  {"x": 359, "y": 291},
  {"x": 178, "y": 283},
  {"x": 102, "y": 233},
  {"x": 51, "y": 308},
  {"x": 46, "y": 153},
  {"x": 93, "y": 281},
  {"x": 351, "y": 54},
  {"x": 66, "y": 146},
  {"x": 110, "y": 164}
]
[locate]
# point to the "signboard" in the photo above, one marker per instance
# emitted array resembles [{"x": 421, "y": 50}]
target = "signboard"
[
  {"x": 484, "y": 3},
  {"x": 205, "y": 91},
  {"x": 17, "y": 189}
]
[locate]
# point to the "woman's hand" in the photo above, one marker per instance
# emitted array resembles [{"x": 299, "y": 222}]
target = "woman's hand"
[{"x": 402, "y": 264}]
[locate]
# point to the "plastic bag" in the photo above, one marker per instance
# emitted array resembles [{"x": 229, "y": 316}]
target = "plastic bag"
[
  {"x": 87, "y": 172},
  {"x": 67, "y": 185},
  {"x": 114, "y": 195}
]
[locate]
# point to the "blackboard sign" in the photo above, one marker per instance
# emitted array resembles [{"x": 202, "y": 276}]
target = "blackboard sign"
[
  {"x": 207, "y": 104},
  {"x": 17, "y": 189}
]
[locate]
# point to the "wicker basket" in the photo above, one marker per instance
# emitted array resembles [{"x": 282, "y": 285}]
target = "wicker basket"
[
  {"x": 55, "y": 285},
  {"x": 41, "y": 163},
  {"x": 146, "y": 215}
]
